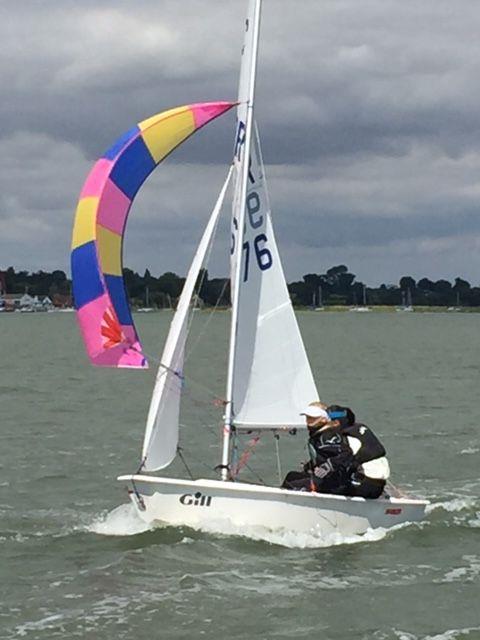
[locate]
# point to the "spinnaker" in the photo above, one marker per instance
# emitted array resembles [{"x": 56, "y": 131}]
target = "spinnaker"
[{"x": 99, "y": 292}]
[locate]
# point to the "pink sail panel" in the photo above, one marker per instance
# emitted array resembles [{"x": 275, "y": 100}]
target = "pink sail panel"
[{"x": 99, "y": 292}]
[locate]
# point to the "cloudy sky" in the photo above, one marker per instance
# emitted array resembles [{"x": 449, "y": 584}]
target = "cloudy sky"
[{"x": 369, "y": 112}]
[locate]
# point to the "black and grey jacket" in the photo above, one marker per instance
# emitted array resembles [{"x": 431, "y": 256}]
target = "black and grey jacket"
[
  {"x": 369, "y": 453},
  {"x": 332, "y": 445}
]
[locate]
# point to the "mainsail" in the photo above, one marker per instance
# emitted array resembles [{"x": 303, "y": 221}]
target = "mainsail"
[
  {"x": 270, "y": 378},
  {"x": 161, "y": 434}
]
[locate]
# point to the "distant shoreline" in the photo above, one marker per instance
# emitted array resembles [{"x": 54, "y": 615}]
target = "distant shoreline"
[{"x": 346, "y": 309}]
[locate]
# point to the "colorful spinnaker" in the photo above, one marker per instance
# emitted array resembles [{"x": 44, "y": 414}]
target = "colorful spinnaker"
[{"x": 99, "y": 292}]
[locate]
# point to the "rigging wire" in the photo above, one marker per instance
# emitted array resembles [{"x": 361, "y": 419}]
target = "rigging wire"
[
  {"x": 179, "y": 451},
  {"x": 253, "y": 472},
  {"x": 190, "y": 380},
  {"x": 204, "y": 273},
  {"x": 207, "y": 322}
]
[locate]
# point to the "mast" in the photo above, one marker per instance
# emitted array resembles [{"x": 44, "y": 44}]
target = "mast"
[{"x": 250, "y": 93}]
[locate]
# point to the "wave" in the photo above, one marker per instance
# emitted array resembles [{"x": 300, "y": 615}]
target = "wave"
[
  {"x": 455, "y": 504},
  {"x": 124, "y": 521},
  {"x": 290, "y": 539},
  {"x": 451, "y": 634},
  {"x": 121, "y": 521},
  {"x": 467, "y": 573}
]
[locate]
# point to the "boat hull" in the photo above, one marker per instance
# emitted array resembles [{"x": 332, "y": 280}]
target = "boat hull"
[{"x": 207, "y": 502}]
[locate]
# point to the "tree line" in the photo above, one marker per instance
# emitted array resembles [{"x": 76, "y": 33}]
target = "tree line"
[{"x": 338, "y": 286}]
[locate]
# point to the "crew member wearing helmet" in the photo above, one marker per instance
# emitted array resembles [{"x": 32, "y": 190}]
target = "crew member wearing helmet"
[
  {"x": 331, "y": 457},
  {"x": 370, "y": 469}
]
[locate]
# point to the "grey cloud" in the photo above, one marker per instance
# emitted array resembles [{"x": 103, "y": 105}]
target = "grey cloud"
[{"x": 369, "y": 121}]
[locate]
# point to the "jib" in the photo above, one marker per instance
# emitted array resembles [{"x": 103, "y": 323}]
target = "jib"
[{"x": 197, "y": 499}]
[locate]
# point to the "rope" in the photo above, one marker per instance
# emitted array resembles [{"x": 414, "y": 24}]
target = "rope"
[
  {"x": 141, "y": 503},
  {"x": 242, "y": 462},
  {"x": 179, "y": 451},
  {"x": 142, "y": 464},
  {"x": 235, "y": 460}
]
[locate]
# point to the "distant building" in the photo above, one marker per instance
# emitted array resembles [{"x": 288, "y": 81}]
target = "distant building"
[
  {"x": 62, "y": 301},
  {"x": 25, "y": 302},
  {"x": 12, "y": 301}
]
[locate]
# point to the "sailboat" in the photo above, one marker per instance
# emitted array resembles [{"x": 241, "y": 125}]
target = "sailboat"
[
  {"x": 363, "y": 308},
  {"x": 269, "y": 378},
  {"x": 317, "y": 299},
  {"x": 406, "y": 301},
  {"x": 147, "y": 308}
]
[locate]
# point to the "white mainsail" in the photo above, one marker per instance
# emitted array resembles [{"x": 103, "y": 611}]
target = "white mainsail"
[
  {"x": 242, "y": 147},
  {"x": 272, "y": 377},
  {"x": 161, "y": 433},
  {"x": 243, "y": 135}
]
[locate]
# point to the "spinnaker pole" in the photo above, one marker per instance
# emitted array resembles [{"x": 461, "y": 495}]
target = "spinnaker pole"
[{"x": 253, "y": 24}]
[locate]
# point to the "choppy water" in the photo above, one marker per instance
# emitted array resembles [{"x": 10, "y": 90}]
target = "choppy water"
[{"x": 76, "y": 562}]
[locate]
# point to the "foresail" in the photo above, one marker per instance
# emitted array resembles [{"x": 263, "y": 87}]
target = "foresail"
[
  {"x": 272, "y": 375},
  {"x": 161, "y": 434}
]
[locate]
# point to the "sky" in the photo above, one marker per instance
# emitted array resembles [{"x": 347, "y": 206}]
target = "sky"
[{"x": 368, "y": 110}]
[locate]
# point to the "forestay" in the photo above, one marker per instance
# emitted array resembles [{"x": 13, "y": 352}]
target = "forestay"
[
  {"x": 272, "y": 377},
  {"x": 161, "y": 434}
]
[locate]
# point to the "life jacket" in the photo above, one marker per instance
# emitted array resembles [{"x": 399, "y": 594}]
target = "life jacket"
[
  {"x": 327, "y": 443},
  {"x": 368, "y": 451}
]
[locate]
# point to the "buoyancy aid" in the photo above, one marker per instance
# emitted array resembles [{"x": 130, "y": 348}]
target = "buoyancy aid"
[
  {"x": 330, "y": 444},
  {"x": 369, "y": 452}
]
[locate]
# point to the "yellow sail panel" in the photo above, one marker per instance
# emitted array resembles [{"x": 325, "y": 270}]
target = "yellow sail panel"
[
  {"x": 158, "y": 117},
  {"x": 110, "y": 251},
  {"x": 85, "y": 217},
  {"x": 168, "y": 132}
]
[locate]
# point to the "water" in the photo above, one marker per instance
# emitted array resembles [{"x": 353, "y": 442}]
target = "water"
[{"x": 76, "y": 561}]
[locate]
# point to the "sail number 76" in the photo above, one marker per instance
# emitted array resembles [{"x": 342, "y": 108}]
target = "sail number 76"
[{"x": 262, "y": 254}]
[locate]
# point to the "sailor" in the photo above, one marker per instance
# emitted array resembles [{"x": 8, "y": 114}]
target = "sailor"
[
  {"x": 331, "y": 457},
  {"x": 370, "y": 469}
]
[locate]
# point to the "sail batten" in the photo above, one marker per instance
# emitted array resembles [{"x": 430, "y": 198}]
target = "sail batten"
[{"x": 161, "y": 433}]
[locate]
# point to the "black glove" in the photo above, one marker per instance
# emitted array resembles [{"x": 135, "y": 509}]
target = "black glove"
[{"x": 323, "y": 470}]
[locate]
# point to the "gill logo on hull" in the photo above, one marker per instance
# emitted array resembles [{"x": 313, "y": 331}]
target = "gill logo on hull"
[{"x": 196, "y": 499}]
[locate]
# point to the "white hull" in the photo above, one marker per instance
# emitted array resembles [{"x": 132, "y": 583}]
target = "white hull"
[{"x": 194, "y": 503}]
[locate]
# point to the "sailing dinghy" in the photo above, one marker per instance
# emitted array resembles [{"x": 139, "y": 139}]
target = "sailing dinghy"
[{"x": 269, "y": 378}]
